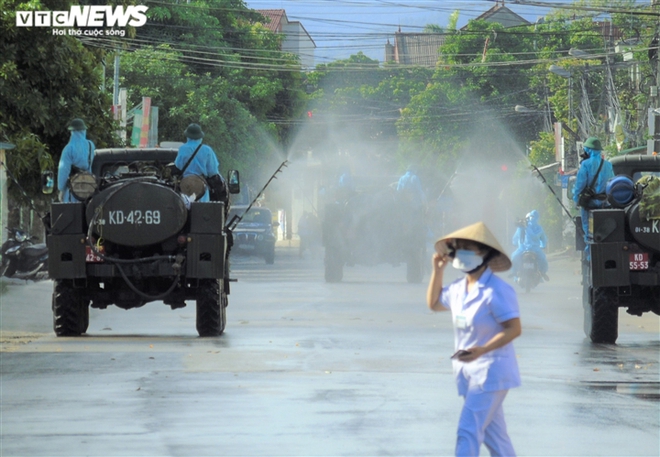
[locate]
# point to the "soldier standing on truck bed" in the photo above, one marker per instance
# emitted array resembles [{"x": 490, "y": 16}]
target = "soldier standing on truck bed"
[
  {"x": 204, "y": 162},
  {"x": 594, "y": 173},
  {"x": 76, "y": 157}
]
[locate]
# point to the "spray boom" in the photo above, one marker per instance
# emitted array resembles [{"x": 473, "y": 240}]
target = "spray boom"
[
  {"x": 236, "y": 219},
  {"x": 570, "y": 216}
]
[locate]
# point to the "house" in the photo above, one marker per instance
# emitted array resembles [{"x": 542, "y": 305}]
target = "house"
[
  {"x": 296, "y": 39},
  {"x": 501, "y": 15},
  {"x": 422, "y": 49},
  {"x": 419, "y": 49}
]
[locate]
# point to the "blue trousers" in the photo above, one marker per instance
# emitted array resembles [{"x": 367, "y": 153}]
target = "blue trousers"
[{"x": 482, "y": 421}]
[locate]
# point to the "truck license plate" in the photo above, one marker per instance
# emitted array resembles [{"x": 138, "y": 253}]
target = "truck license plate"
[
  {"x": 639, "y": 261},
  {"x": 91, "y": 257}
]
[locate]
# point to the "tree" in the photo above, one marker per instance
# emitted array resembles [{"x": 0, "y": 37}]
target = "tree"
[
  {"x": 477, "y": 82},
  {"x": 222, "y": 68},
  {"x": 363, "y": 100},
  {"x": 46, "y": 81}
]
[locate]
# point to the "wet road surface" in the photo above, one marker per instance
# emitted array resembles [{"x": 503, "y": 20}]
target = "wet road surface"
[{"x": 307, "y": 368}]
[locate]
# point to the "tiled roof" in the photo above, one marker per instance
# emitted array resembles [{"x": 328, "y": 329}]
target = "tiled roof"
[
  {"x": 502, "y": 15},
  {"x": 275, "y": 16}
]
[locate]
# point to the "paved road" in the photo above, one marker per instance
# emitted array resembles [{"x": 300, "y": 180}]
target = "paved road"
[{"x": 307, "y": 368}]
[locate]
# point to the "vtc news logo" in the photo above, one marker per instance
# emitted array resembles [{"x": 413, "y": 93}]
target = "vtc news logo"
[{"x": 85, "y": 16}]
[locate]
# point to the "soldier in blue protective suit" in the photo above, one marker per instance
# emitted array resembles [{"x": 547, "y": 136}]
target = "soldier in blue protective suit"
[
  {"x": 76, "y": 156},
  {"x": 530, "y": 237},
  {"x": 588, "y": 168},
  {"x": 410, "y": 187},
  {"x": 204, "y": 164}
]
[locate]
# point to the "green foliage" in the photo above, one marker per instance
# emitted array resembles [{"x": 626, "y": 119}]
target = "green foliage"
[
  {"x": 472, "y": 86},
  {"x": 542, "y": 151},
  {"x": 45, "y": 81},
  {"x": 362, "y": 99},
  {"x": 221, "y": 68}
]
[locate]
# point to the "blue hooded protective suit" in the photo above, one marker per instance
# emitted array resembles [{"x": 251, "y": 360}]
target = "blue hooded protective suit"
[
  {"x": 586, "y": 173},
  {"x": 530, "y": 238},
  {"x": 204, "y": 164},
  {"x": 410, "y": 186},
  {"x": 79, "y": 153}
]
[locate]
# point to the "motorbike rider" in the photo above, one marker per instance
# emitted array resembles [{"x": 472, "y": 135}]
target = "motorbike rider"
[
  {"x": 76, "y": 156},
  {"x": 204, "y": 164},
  {"x": 592, "y": 155},
  {"x": 530, "y": 236}
]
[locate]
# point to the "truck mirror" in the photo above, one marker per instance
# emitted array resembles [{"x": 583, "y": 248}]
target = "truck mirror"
[
  {"x": 47, "y": 182},
  {"x": 234, "y": 182}
]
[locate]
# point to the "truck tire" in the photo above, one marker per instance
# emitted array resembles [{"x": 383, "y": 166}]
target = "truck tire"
[
  {"x": 586, "y": 306},
  {"x": 211, "y": 308},
  {"x": 70, "y": 310},
  {"x": 84, "y": 317},
  {"x": 269, "y": 257},
  {"x": 604, "y": 315},
  {"x": 334, "y": 265}
]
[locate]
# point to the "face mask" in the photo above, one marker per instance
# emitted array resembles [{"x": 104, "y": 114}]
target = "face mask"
[{"x": 466, "y": 260}]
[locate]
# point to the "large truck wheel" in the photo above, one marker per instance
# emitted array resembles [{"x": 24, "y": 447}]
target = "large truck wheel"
[
  {"x": 70, "y": 309},
  {"x": 586, "y": 306},
  {"x": 211, "y": 308},
  {"x": 84, "y": 317},
  {"x": 604, "y": 315},
  {"x": 334, "y": 265},
  {"x": 269, "y": 257}
]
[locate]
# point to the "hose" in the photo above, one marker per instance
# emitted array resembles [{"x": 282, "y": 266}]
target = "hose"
[{"x": 117, "y": 262}]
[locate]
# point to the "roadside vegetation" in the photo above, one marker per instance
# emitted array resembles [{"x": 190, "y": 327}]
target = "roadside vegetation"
[{"x": 214, "y": 62}]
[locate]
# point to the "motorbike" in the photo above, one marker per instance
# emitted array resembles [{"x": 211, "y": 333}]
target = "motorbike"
[
  {"x": 529, "y": 275},
  {"x": 22, "y": 258}
]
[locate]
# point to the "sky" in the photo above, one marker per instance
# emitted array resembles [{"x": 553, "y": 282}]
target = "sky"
[{"x": 341, "y": 28}]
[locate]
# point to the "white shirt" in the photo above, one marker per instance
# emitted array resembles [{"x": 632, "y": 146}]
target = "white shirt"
[{"x": 477, "y": 317}]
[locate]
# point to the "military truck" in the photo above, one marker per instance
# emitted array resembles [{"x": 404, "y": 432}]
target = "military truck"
[
  {"x": 136, "y": 238},
  {"x": 623, "y": 269},
  {"x": 372, "y": 227}
]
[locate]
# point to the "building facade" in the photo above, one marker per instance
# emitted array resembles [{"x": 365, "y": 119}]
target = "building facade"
[{"x": 296, "y": 39}]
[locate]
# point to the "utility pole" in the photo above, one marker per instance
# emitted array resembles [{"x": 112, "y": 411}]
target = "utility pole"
[{"x": 115, "y": 91}]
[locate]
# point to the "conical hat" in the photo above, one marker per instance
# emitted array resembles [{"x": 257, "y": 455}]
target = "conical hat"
[{"x": 480, "y": 233}]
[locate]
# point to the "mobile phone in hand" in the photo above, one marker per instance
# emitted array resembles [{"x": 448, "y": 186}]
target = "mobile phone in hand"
[{"x": 460, "y": 353}]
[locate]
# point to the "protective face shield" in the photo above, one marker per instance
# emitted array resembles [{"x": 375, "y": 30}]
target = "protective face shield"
[
  {"x": 466, "y": 260},
  {"x": 532, "y": 216},
  {"x": 584, "y": 155}
]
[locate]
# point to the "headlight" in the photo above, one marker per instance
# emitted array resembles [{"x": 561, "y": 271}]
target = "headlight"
[
  {"x": 20, "y": 236},
  {"x": 260, "y": 237},
  {"x": 83, "y": 185}
]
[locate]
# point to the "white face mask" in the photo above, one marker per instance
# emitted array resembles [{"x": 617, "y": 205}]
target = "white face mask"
[{"x": 466, "y": 260}]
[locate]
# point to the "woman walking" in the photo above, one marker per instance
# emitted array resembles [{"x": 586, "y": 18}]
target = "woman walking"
[{"x": 486, "y": 320}]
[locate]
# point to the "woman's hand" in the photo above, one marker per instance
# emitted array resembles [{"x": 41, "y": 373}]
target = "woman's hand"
[
  {"x": 440, "y": 261},
  {"x": 474, "y": 354}
]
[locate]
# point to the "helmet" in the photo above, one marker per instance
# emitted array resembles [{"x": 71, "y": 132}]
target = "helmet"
[
  {"x": 77, "y": 125},
  {"x": 532, "y": 216},
  {"x": 593, "y": 143},
  {"x": 194, "y": 132},
  {"x": 620, "y": 191}
]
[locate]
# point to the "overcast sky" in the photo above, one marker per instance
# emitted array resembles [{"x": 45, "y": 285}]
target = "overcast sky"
[{"x": 343, "y": 27}]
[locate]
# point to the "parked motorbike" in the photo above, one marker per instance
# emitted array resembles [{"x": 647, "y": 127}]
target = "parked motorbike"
[
  {"x": 22, "y": 258},
  {"x": 529, "y": 275}
]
